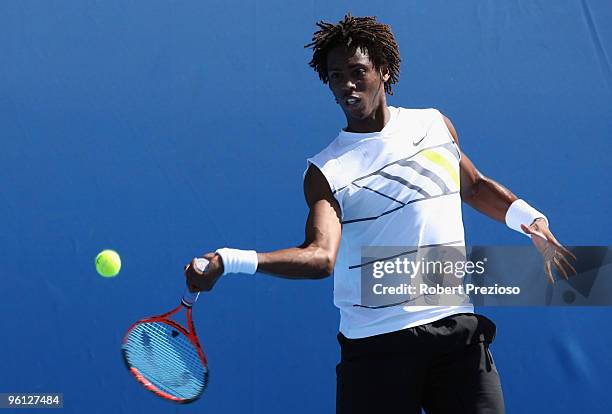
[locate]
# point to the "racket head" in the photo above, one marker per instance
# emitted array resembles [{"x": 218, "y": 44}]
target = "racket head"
[{"x": 166, "y": 358}]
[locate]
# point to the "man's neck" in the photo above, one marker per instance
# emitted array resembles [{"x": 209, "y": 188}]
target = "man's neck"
[{"x": 375, "y": 123}]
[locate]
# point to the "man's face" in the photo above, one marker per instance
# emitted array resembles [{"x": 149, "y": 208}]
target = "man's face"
[{"x": 355, "y": 82}]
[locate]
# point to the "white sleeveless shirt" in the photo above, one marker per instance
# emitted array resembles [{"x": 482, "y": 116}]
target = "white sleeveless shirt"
[{"x": 396, "y": 187}]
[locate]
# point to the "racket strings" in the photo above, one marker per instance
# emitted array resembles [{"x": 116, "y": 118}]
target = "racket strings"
[{"x": 166, "y": 358}]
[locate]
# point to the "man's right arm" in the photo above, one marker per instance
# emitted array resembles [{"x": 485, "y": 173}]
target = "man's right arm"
[
  {"x": 316, "y": 257},
  {"x": 313, "y": 259}
]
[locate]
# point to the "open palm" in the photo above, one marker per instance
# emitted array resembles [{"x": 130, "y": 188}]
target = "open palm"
[{"x": 552, "y": 251}]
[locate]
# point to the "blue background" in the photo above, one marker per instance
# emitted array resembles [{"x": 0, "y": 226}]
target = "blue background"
[{"x": 164, "y": 129}]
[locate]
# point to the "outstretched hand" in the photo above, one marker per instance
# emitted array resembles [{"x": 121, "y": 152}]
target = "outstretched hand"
[
  {"x": 198, "y": 280},
  {"x": 552, "y": 251}
]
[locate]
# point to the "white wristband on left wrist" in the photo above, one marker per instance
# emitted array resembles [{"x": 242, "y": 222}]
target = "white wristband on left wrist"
[{"x": 519, "y": 213}]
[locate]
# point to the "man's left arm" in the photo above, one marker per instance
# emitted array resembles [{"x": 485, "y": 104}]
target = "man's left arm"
[{"x": 494, "y": 200}]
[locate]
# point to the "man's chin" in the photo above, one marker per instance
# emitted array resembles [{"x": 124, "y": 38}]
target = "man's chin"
[{"x": 356, "y": 114}]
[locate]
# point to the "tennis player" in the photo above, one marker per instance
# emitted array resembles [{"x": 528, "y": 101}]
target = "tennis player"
[{"x": 392, "y": 176}]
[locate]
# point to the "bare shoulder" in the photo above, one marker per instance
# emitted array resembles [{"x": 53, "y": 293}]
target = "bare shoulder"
[{"x": 316, "y": 186}]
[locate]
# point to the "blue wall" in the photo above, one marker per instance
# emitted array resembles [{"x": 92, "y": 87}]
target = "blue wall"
[{"x": 165, "y": 129}]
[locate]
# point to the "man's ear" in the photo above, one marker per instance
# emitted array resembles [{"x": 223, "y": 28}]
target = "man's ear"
[{"x": 384, "y": 72}]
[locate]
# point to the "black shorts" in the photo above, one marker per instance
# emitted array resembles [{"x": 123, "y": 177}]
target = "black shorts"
[{"x": 443, "y": 367}]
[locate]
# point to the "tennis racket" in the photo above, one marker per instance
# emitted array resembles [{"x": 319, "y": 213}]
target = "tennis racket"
[{"x": 164, "y": 356}]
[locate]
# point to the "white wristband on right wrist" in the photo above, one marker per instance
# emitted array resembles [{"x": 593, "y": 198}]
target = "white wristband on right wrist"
[
  {"x": 519, "y": 213},
  {"x": 238, "y": 261}
]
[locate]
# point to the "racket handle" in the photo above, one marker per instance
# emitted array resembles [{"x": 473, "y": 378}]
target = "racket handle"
[{"x": 190, "y": 298}]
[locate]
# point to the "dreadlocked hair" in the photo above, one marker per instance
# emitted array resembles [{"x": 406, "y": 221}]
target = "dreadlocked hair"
[{"x": 356, "y": 32}]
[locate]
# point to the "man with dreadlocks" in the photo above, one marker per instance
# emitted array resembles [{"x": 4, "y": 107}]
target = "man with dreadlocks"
[{"x": 392, "y": 176}]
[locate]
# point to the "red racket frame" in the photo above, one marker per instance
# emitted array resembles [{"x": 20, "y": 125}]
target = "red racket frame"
[{"x": 191, "y": 335}]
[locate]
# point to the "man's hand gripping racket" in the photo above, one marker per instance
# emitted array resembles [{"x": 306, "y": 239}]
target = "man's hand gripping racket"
[{"x": 166, "y": 357}]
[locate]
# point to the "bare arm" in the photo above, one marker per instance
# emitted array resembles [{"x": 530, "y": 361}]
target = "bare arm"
[
  {"x": 481, "y": 192},
  {"x": 316, "y": 257},
  {"x": 313, "y": 259},
  {"x": 493, "y": 199}
]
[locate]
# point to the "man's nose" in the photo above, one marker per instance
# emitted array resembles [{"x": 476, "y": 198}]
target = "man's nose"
[{"x": 348, "y": 86}]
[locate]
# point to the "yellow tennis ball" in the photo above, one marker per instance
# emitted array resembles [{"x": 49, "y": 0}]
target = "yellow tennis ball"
[{"x": 108, "y": 263}]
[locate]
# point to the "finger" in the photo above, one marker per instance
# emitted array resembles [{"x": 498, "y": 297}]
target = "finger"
[
  {"x": 548, "y": 271},
  {"x": 194, "y": 282},
  {"x": 198, "y": 284},
  {"x": 552, "y": 240},
  {"x": 560, "y": 268},
  {"x": 568, "y": 264},
  {"x": 549, "y": 252},
  {"x": 567, "y": 252},
  {"x": 533, "y": 232}
]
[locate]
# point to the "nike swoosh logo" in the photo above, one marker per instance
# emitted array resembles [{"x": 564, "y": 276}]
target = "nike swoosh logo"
[{"x": 416, "y": 142}]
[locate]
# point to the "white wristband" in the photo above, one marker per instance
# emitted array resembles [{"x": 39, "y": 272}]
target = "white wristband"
[
  {"x": 519, "y": 213},
  {"x": 238, "y": 261}
]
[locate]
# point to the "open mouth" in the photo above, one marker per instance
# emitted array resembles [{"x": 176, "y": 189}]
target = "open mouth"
[{"x": 352, "y": 100}]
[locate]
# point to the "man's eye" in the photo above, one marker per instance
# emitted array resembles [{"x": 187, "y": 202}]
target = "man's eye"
[
  {"x": 360, "y": 72},
  {"x": 334, "y": 76}
]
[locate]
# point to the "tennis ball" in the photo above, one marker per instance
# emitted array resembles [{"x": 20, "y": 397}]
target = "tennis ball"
[{"x": 108, "y": 263}]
